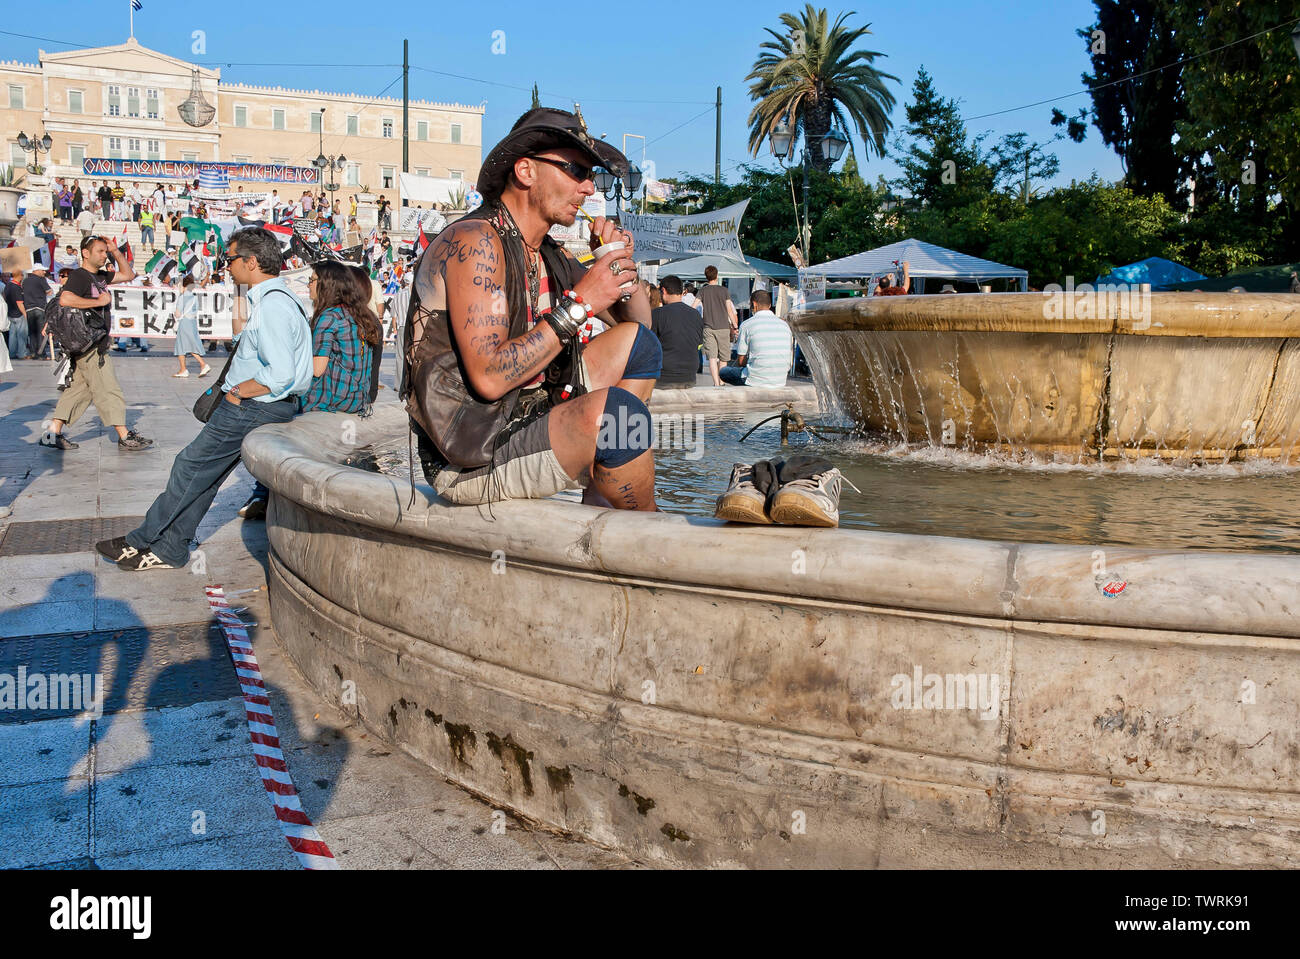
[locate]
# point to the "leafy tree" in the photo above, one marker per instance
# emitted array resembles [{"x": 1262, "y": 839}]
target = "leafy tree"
[
  {"x": 1137, "y": 92},
  {"x": 811, "y": 75},
  {"x": 1016, "y": 163},
  {"x": 940, "y": 167},
  {"x": 537, "y": 102}
]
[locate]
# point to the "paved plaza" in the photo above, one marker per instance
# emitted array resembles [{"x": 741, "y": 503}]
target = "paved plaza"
[{"x": 166, "y": 778}]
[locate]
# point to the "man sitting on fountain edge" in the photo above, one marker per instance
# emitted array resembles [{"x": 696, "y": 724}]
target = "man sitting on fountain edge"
[{"x": 507, "y": 397}]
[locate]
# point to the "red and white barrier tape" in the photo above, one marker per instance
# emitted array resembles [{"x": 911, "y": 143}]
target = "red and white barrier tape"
[{"x": 301, "y": 835}]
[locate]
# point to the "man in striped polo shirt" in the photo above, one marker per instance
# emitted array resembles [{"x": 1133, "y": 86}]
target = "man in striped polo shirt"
[{"x": 764, "y": 350}]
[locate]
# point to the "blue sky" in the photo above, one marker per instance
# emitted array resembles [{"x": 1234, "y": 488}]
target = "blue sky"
[{"x": 648, "y": 69}]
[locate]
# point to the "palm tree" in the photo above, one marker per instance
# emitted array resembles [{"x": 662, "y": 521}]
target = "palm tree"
[{"x": 811, "y": 75}]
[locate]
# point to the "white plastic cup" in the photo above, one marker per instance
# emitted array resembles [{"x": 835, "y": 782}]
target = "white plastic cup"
[{"x": 606, "y": 248}]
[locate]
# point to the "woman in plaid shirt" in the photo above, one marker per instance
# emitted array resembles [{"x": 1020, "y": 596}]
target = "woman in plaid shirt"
[{"x": 345, "y": 334}]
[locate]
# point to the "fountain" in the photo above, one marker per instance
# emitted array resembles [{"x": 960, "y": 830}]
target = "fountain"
[
  {"x": 1179, "y": 376},
  {"x": 709, "y": 695}
]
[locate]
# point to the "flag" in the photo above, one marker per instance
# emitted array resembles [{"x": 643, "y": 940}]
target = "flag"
[
  {"x": 137, "y": 5},
  {"x": 125, "y": 246},
  {"x": 422, "y": 240}
]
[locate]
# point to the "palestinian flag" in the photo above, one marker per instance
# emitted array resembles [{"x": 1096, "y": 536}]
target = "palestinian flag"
[{"x": 160, "y": 267}]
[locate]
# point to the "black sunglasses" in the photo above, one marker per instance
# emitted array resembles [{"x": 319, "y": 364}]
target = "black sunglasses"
[{"x": 576, "y": 170}]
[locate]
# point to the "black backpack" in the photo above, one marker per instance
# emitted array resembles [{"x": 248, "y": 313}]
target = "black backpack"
[{"x": 75, "y": 331}]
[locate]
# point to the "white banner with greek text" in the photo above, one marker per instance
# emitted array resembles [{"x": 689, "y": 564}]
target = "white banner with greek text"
[{"x": 659, "y": 236}]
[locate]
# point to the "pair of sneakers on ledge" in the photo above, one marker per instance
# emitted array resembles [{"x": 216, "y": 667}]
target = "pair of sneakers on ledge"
[{"x": 799, "y": 491}]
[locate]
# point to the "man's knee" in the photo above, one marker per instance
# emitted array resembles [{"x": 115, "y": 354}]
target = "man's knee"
[
  {"x": 624, "y": 429},
  {"x": 645, "y": 358}
]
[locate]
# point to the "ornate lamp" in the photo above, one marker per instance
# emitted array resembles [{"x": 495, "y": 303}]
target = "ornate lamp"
[
  {"x": 781, "y": 138},
  {"x": 195, "y": 110},
  {"x": 833, "y": 144}
]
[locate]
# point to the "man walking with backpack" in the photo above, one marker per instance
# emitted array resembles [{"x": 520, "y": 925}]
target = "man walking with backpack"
[
  {"x": 93, "y": 379},
  {"x": 272, "y": 365}
]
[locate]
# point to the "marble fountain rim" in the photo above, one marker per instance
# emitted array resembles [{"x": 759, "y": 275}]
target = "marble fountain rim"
[
  {"x": 1216, "y": 596},
  {"x": 1226, "y": 315}
]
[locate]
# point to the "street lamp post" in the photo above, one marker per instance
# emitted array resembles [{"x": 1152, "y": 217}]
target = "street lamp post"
[
  {"x": 831, "y": 143},
  {"x": 330, "y": 163},
  {"x": 35, "y": 147},
  {"x": 615, "y": 189}
]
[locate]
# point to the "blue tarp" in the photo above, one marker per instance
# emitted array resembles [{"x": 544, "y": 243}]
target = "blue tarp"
[{"x": 1155, "y": 270}]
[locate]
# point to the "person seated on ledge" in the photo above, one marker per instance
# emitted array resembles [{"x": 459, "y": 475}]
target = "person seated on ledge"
[
  {"x": 764, "y": 349},
  {"x": 681, "y": 332},
  {"x": 505, "y": 399},
  {"x": 887, "y": 288}
]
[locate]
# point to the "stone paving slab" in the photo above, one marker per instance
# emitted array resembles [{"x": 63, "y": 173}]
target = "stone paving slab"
[
  {"x": 120, "y": 792},
  {"x": 43, "y": 822}
]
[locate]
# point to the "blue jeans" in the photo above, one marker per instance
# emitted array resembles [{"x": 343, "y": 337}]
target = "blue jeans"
[
  {"x": 734, "y": 375},
  {"x": 146, "y": 236},
  {"x": 197, "y": 474}
]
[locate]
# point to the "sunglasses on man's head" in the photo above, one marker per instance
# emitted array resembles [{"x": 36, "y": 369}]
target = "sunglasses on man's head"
[{"x": 576, "y": 170}]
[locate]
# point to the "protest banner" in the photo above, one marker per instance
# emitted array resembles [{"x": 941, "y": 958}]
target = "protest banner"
[
  {"x": 150, "y": 311},
  {"x": 812, "y": 286},
  {"x": 659, "y": 236},
  {"x": 411, "y": 218}
]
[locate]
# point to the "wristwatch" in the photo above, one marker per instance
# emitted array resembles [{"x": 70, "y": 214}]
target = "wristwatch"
[{"x": 566, "y": 316}]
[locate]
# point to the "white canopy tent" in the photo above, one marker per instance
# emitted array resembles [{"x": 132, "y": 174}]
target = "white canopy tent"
[{"x": 925, "y": 261}]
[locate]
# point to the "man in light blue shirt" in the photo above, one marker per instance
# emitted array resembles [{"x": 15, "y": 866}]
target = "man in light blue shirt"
[
  {"x": 271, "y": 366},
  {"x": 764, "y": 349}
]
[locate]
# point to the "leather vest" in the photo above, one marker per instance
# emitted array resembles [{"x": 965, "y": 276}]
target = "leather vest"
[{"x": 464, "y": 426}]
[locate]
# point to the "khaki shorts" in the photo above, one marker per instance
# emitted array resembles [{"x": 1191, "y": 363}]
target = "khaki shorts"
[
  {"x": 717, "y": 345},
  {"x": 524, "y": 468}
]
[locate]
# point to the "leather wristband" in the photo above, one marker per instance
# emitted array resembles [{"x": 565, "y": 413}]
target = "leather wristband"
[{"x": 564, "y": 331}]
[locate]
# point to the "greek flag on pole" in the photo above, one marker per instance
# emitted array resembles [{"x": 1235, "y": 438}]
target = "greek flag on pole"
[{"x": 137, "y": 5}]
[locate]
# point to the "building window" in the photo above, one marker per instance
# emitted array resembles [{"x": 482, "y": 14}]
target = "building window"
[
  {"x": 315, "y": 121},
  {"x": 17, "y": 156},
  {"x": 76, "y": 154},
  {"x": 75, "y": 101},
  {"x": 133, "y": 101},
  {"x": 354, "y": 125},
  {"x": 455, "y": 133},
  {"x": 388, "y": 128},
  {"x": 115, "y": 147},
  {"x": 456, "y": 174},
  {"x": 133, "y": 148},
  {"x": 155, "y": 150},
  {"x": 190, "y": 157},
  {"x": 386, "y": 176},
  {"x": 241, "y": 116},
  {"x": 239, "y": 159},
  {"x": 422, "y": 130},
  {"x": 16, "y": 100},
  {"x": 152, "y": 102},
  {"x": 277, "y": 119},
  {"x": 114, "y": 100},
  {"x": 422, "y": 171},
  {"x": 352, "y": 175}
]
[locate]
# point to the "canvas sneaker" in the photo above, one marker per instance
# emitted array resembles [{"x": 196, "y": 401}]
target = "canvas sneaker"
[
  {"x": 57, "y": 441},
  {"x": 134, "y": 441},
  {"x": 142, "y": 561},
  {"x": 115, "y": 550},
  {"x": 809, "y": 502},
  {"x": 742, "y": 502}
]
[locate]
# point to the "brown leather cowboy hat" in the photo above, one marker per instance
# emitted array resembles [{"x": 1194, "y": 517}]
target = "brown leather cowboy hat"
[{"x": 544, "y": 128}]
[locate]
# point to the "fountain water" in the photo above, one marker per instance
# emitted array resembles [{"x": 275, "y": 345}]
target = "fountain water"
[{"x": 1176, "y": 376}]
